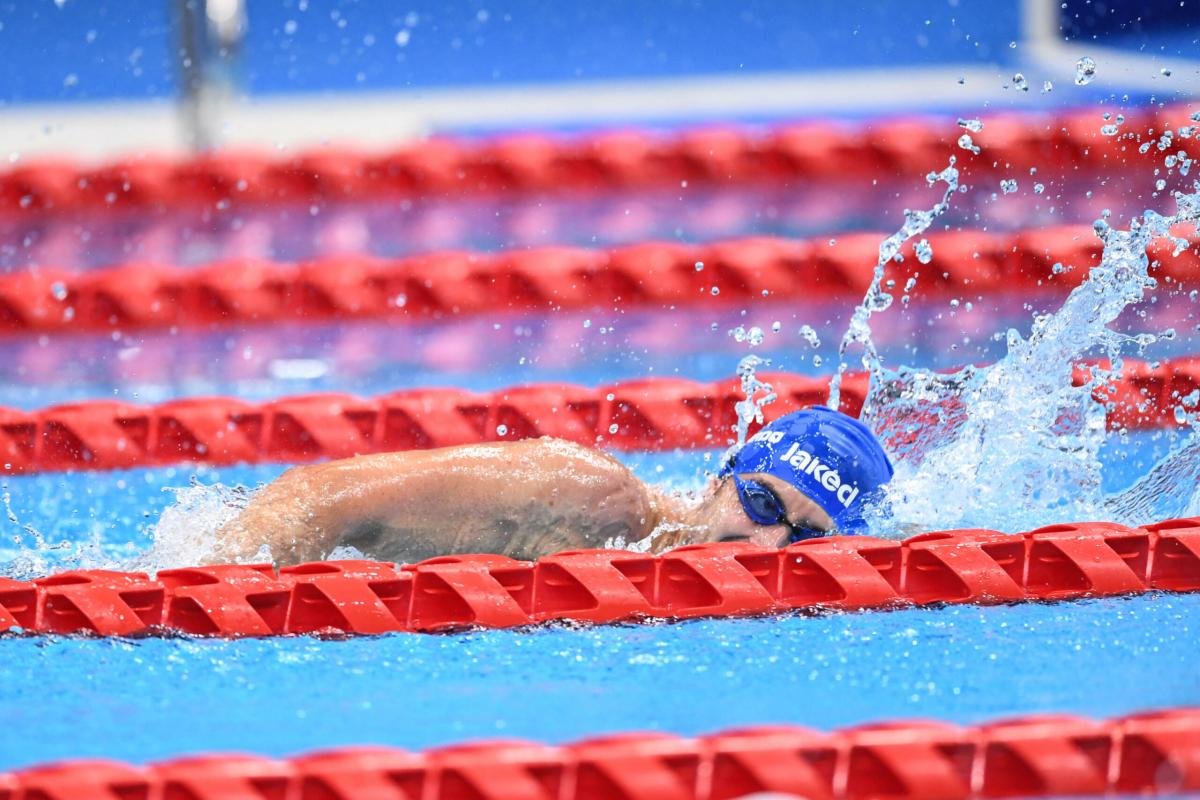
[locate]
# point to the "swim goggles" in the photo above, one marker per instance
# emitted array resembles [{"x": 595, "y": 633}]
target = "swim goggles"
[{"x": 764, "y": 507}]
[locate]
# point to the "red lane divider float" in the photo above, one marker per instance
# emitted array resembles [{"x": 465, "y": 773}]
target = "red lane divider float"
[
  {"x": 817, "y": 150},
  {"x": 141, "y": 296},
  {"x": 1092, "y": 559},
  {"x": 1148, "y": 753},
  {"x": 645, "y": 414}
]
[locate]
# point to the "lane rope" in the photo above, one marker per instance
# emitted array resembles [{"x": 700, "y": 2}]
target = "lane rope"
[
  {"x": 643, "y": 414},
  {"x": 640, "y": 160},
  {"x": 1056, "y": 562},
  {"x": 138, "y": 296},
  {"x": 1147, "y": 753}
]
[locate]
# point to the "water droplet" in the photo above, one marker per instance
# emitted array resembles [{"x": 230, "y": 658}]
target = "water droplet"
[
  {"x": 612, "y": 428},
  {"x": 1047, "y": 87},
  {"x": 776, "y": 326},
  {"x": 59, "y": 290},
  {"x": 924, "y": 251},
  {"x": 1160, "y": 184},
  {"x": 1166, "y": 73},
  {"x": 71, "y": 80},
  {"x": 587, "y": 323},
  {"x": 1109, "y": 130},
  {"x": 809, "y": 335},
  {"x": 973, "y": 125},
  {"x": 402, "y": 37},
  {"x": 715, "y": 291},
  {"x": 755, "y": 336},
  {"x": 699, "y": 266},
  {"x": 1085, "y": 71},
  {"x": 501, "y": 430},
  {"x": 290, "y": 27},
  {"x": 965, "y": 143},
  {"x": 400, "y": 300},
  {"x": 610, "y": 397},
  {"x": 1008, "y": 186},
  {"x": 1019, "y": 82}
]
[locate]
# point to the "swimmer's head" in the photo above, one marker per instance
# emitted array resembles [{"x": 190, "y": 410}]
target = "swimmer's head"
[{"x": 831, "y": 458}]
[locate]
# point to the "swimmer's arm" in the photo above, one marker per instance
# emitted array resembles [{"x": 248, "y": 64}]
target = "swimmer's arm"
[{"x": 522, "y": 499}]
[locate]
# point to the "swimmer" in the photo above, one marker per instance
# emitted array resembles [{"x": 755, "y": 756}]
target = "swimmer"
[{"x": 807, "y": 474}]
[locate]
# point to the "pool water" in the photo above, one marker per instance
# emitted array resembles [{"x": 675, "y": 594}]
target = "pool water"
[
  {"x": 150, "y": 699},
  {"x": 154, "y": 698}
]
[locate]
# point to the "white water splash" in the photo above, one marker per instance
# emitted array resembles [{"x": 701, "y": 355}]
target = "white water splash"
[
  {"x": 186, "y": 533},
  {"x": 876, "y": 299},
  {"x": 1002, "y": 445},
  {"x": 757, "y": 395}
]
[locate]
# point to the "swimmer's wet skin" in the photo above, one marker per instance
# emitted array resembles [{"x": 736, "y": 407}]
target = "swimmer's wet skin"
[{"x": 806, "y": 474}]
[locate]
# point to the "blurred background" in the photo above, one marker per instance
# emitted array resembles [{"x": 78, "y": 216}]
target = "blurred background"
[{"x": 113, "y": 78}]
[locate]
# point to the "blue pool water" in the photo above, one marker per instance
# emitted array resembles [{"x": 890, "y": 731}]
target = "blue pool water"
[{"x": 155, "y": 698}]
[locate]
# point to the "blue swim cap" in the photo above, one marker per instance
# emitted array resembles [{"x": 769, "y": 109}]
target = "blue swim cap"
[{"x": 831, "y": 457}]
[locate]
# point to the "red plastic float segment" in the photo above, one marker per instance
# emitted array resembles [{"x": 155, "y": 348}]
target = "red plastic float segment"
[
  {"x": 523, "y": 163},
  {"x": 907, "y": 759},
  {"x": 225, "y": 777},
  {"x": 636, "y": 766},
  {"x": 361, "y": 597},
  {"x": 500, "y": 770},
  {"x": 140, "y": 296},
  {"x": 1097, "y": 558},
  {"x": 370, "y": 773},
  {"x": 464, "y": 591},
  {"x": 18, "y": 604},
  {"x": 716, "y": 579},
  {"x": 783, "y": 758},
  {"x": 1148, "y": 753},
  {"x": 594, "y": 586},
  {"x": 1046, "y": 755},
  {"x": 1159, "y": 752},
  {"x": 952, "y": 565},
  {"x": 94, "y": 779},
  {"x": 646, "y": 414},
  {"x": 100, "y": 601},
  {"x": 1175, "y": 557},
  {"x": 244, "y": 600},
  {"x": 848, "y": 572}
]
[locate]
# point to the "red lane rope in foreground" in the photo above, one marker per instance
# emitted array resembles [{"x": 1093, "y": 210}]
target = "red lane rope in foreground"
[
  {"x": 646, "y": 414},
  {"x": 1091, "y": 559},
  {"x": 1155, "y": 752},
  {"x": 146, "y": 295},
  {"x": 613, "y": 160}
]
